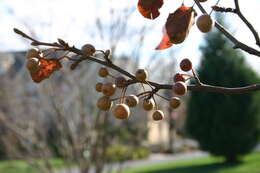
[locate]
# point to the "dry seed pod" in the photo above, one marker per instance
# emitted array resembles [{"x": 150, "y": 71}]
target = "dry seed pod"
[
  {"x": 131, "y": 100},
  {"x": 174, "y": 102},
  {"x": 33, "y": 53},
  {"x": 205, "y": 23},
  {"x": 103, "y": 72},
  {"x": 33, "y": 65},
  {"x": 148, "y": 104},
  {"x": 120, "y": 82},
  {"x": 108, "y": 89},
  {"x": 99, "y": 87},
  {"x": 121, "y": 111},
  {"x": 141, "y": 74},
  {"x": 88, "y": 49},
  {"x": 158, "y": 115},
  {"x": 179, "y": 88},
  {"x": 186, "y": 65},
  {"x": 104, "y": 103}
]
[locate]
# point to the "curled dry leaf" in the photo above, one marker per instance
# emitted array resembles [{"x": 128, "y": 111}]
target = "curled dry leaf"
[
  {"x": 177, "y": 27},
  {"x": 150, "y": 8},
  {"x": 47, "y": 67}
]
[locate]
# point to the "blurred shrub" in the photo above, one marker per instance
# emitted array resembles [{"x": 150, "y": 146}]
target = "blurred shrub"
[{"x": 119, "y": 153}]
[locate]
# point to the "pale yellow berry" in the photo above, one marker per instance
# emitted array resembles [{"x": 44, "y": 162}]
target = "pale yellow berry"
[
  {"x": 174, "y": 102},
  {"x": 108, "y": 89},
  {"x": 33, "y": 53},
  {"x": 99, "y": 87},
  {"x": 104, "y": 103},
  {"x": 88, "y": 50},
  {"x": 205, "y": 23},
  {"x": 33, "y": 65},
  {"x": 103, "y": 72},
  {"x": 121, "y": 111},
  {"x": 148, "y": 104},
  {"x": 131, "y": 100},
  {"x": 158, "y": 115},
  {"x": 141, "y": 74}
]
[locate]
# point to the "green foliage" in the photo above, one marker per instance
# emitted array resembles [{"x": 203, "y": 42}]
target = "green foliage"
[
  {"x": 203, "y": 165},
  {"x": 118, "y": 153},
  {"x": 19, "y": 166},
  {"x": 225, "y": 125}
]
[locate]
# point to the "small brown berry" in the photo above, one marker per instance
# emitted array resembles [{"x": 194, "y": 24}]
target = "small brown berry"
[
  {"x": 186, "y": 65},
  {"x": 33, "y": 53},
  {"x": 99, "y": 87},
  {"x": 158, "y": 115},
  {"x": 148, "y": 104},
  {"x": 120, "y": 82},
  {"x": 131, "y": 100},
  {"x": 174, "y": 102},
  {"x": 141, "y": 74},
  {"x": 104, "y": 103},
  {"x": 103, "y": 72},
  {"x": 108, "y": 89},
  {"x": 178, "y": 77},
  {"x": 88, "y": 49},
  {"x": 33, "y": 65},
  {"x": 121, "y": 111},
  {"x": 205, "y": 23},
  {"x": 179, "y": 88}
]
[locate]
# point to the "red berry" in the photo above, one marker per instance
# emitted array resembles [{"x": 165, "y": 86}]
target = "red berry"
[
  {"x": 186, "y": 65},
  {"x": 179, "y": 88},
  {"x": 178, "y": 77}
]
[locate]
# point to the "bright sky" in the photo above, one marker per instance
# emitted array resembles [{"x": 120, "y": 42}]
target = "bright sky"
[{"x": 72, "y": 20}]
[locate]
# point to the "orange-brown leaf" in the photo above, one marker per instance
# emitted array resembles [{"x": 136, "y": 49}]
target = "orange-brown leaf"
[
  {"x": 179, "y": 23},
  {"x": 165, "y": 42},
  {"x": 47, "y": 67},
  {"x": 150, "y": 8}
]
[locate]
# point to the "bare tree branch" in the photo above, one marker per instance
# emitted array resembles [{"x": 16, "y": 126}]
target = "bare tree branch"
[{"x": 237, "y": 44}]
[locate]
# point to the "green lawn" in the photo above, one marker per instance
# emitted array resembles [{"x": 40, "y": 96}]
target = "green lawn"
[
  {"x": 18, "y": 166},
  {"x": 250, "y": 164}
]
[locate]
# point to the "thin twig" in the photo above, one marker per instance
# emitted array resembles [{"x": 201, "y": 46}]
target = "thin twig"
[
  {"x": 158, "y": 86},
  {"x": 237, "y": 44},
  {"x": 249, "y": 25}
]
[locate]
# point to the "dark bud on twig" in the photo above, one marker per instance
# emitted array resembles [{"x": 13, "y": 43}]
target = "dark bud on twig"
[
  {"x": 62, "y": 42},
  {"x": 223, "y": 9}
]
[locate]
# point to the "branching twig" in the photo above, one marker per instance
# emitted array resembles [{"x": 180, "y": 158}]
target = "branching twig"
[
  {"x": 249, "y": 25},
  {"x": 237, "y": 44},
  {"x": 133, "y": 80}
]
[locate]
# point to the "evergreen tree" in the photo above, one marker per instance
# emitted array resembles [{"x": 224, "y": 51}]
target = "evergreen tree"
[{"x": 226, "y": 125}]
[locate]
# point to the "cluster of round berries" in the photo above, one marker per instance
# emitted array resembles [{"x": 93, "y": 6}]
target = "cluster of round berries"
[
  {"x": 33, "y": 63},
  {"x": 122, "y": 110}
]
